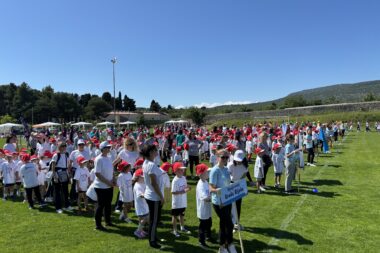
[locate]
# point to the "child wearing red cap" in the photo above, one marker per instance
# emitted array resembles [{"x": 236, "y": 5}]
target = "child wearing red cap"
[
  {"x": 179, "y": 198},
  {"x": 165, "y": 181},
  {"x": 8, "y": 175},
  {"x": 259, "y": 169},
  {"x": 141, "y": 207},
  {"x": 124, "y": 182},
  {"x": 82, "y": 179},
  {"x": 177, "y": 155},
  {"x": 213, "y": 158},
  {"x": 278, "y": 164},
  {"x": 203, "y": 198}
]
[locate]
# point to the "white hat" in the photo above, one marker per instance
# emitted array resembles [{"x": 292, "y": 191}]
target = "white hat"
[
  {"x": 104, "y": 144},
  {"x": 239, "y": 155},
  {"x": 81, "y": 141}
]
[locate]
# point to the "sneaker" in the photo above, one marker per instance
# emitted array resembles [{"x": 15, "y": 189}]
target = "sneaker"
[
  {"x": 231, "y": 248},
  {"x": 222, "y": 249},
  {"x": 128, "y": 220},
  {"x": 4, "y": 199},
  {"x": 203, "y": 245},
  {"x": 31, "y": 207},
  {"x": 43, "y": 204},
  {"x": 258, "y": 191},
  {"x": 69, "y": 208},
  {"x": 185, "y": 231},
  {"x": 238, "y": 226},
  {"x": 155, "y": 245},
  {"x": 117, "y": 211},
  {"x": 176, "y": 234},
  {"x": 312, "y": 165},
  {"x": 262, "y": 188},
  {"x": 121, "y": 217},
  {"x": 144, "y": 233},
  {"x": 59, "y": 211},
  {"x": 138, "y": 234}
]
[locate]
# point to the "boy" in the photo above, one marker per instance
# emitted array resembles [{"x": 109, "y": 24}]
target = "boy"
[
  {"x": 141, "y": 207},
  {"x": 179, "y": 198},
  {"x": 259, "y": 169},
  {"x": 8, "y": 175},
  {"x": 278, "y": 164},
  {"x": 124, "y": 182},
  {"x": 203, "y": 198},
  {"x": 82, "y": 179}
]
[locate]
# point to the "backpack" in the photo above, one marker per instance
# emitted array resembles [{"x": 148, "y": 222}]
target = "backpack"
[{"x": 62, "y": 173}]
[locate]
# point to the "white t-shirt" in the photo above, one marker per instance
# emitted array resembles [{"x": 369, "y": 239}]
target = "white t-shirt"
[
  {"x": 29, "y": 175},
  {"x": 82, "y": 175},
  {"x": 248, "y": 147},
  {"x": 75, "y": 154},
  {"x": 124, "y": 182},
  {"x": 259, "y": 168},
  {"x": 213, "y": 159},
  {"x": 103, "y": 165},
  {"x": 63, "y": 160},
  {"x": 11, "y": 147},
  {"x": 179, "y": 200},
  {"x": 177, "y": 157},
  {"x": 92, "y": 175},
  {"x": 41, "y": 175},
  {"x": 17, "y": 167},
  {"x": 203, "y": 193},
  {"x": 8, "y": 172},
  {"x": 278, "y": 162},
  {"x": 150, "y": 168},
  {"x": 236, "y": 172},
  {"x": 141, "y": 207},
  {"x": 129, "y": 156},
  {"x": 41, "y": 148},
  {"x": 165, "y": 181}
]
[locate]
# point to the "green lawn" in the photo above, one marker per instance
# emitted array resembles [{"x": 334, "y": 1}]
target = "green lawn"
[{"x": 344, "y": 215}]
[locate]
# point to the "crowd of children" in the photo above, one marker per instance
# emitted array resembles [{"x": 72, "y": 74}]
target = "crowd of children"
[{"x": 285, "y": 144}]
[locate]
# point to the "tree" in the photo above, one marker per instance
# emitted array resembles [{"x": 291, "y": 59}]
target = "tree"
[
  {"x": 22, "y": 101},
  {"x": 196, "y": 115},
  {"x": 83, "y": 101},
  {"x": 96, "y": 108},
  {"x": 107, "y": 97},
  {"x": 170, "y": 107},
  {"x": 141, "y": 120},
  {"x": 129, "y": 104},
  {"x": 295, "y": 101},
  {"x": 369, "y": 97},
  {"x": 119, "y": 102},
  {"x": 7, "y": 119},
  {"x": 155, "y": 106}
]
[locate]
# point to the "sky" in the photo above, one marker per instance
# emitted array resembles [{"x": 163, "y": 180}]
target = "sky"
[{"x": 189, "y": 52}]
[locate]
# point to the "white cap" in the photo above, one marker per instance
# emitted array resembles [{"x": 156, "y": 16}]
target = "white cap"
[
  {"x": 239, "y": 156},
  {"x": 104, "y": 144},
  {"x": 81, "y": 141}
]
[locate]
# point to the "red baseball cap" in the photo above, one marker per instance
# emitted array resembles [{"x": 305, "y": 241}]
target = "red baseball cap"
[
  {"x": 166, "y": 166},
  {"x": 138, "y": 173},
  {"x": 276, "y": 146},
  {"x": 139, "y": 162},
  {"x": 25, "y": 158},
  {"x": 201, "y": 168},
  {"x": 33, "y": 157},
  {"x": 259, "y": 150},
  {"x": 81, "y": 160},
  {"x": 48, "y": 154},
  {"x": 178, "y": 166},
  {"x": 122, "y": 165}
]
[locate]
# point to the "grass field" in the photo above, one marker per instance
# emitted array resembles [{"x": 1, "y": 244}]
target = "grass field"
[{"x": 344, "y": 215}]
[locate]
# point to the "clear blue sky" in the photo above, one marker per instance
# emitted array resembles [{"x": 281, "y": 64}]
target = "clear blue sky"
[{"x": 187, "y": 52}]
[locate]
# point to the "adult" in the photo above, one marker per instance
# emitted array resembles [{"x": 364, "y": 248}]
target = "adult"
[
  {"x": 194, "y": 146},
  {"x": 153, "y": 194},
  {"x": 103, "y": 184},
  {"x": 73, "y": 165},
  {"x": 10, "y": 144},
  {"x": 267, "y": 161},
  {"x": 42, "y": 144},
  {"x": 59, "y": 165},
  {"x": 219, "y": 178},
  {"x": 180, "y": 138},
  {"x": 77, "y": 138}
]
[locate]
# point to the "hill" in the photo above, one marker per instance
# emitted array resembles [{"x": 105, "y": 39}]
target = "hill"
[{"x": 338, "y": 93}]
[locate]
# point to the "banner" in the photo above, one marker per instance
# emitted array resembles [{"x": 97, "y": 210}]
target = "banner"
[{"x": 233, "y": 192}]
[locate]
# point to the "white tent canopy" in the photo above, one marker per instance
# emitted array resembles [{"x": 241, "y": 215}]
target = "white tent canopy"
[
  {"x": 128, "y": 123},
  {"x": 46, "y": 124},
  {"x": 106, "y": 123},
  {"x": 81, "y": 124},
  {"x": 7, "y": 127},
  {"x": 176, "y": 121}
]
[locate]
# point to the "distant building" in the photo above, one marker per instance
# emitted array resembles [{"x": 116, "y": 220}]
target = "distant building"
[{"x": 150, "y": 117}]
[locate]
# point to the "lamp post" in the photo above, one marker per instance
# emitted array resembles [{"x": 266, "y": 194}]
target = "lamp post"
[{"x": 114, "y": 96}]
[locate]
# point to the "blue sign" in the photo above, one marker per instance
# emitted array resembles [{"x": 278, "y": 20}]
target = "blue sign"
[{"x": 233, "y": 192}]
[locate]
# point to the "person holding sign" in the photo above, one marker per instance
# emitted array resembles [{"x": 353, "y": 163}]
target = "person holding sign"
[{"x": 219, "y": 178}]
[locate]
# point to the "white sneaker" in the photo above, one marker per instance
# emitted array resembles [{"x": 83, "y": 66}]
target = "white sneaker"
[
  {"x": 68, "y": 208},
  {"x": 128, "y": 220},
  {"x": 231, "y": 248},
  {"x": 59, "y": 211},
  {"x": 222, "y": 249},
  {"x": 117, "y": 211},
  {"x": 312, "y": 165},
  {"x": 262, "y": 189}
]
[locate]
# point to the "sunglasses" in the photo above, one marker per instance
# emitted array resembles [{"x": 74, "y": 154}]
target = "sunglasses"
[{"x": 224, "y": 157}]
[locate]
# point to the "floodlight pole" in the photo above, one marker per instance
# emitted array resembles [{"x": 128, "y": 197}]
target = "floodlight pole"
[{"x": 114, "y": 96}]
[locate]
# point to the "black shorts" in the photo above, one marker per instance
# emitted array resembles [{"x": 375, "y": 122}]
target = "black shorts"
[
  {"x": 18, "y": 183},
  {"x": 82, "y": 192},
  {"x": 8, "y": 185},
  {"x": 178, "y": 212}
]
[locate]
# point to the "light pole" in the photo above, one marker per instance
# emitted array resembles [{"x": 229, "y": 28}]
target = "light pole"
[{"x": 114, "y": 96}]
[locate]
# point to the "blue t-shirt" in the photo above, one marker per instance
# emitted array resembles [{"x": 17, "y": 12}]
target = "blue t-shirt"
[{"x": 220, "y": 177}]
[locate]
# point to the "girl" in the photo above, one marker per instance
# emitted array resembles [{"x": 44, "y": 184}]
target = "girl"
[
  {"x": 124, "y": 182},
  {"x": 177, "y": 156},
  {"x": 82, "y": 179},
  {"x": 278, "y": 164},
  {"x": 141, "y": 207},
  {"x": 8, "y": 175},
  {"x": 259, "y": 169}
]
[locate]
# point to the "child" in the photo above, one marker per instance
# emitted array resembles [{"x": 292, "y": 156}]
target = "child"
[
  {"x": 278, "y": 164},
  {"x": 237, "y": 171},
  {"x": 249, "y": 147},
  {"x": 290, "y": 163},
  {"x": 17, "y": 166},
  {"x": 179, "y": 198},
  {"x": 213, "y": 157},
  {"x": 203, "y": 198},
  {"x": 82, "y": 177},
  {"x": 185, "y": 154},
  {"x": 40, "y": 174},
  {"x": 165, "y": 181},
  {"x": 124, "y": 182},
  {"x": 259, "y": 169},
  {"x": 141, "y": 207},
  {"x": 177, "y": 156},
  {"x": 8, "y": 175},
  {"x": 91, "y": 169}
]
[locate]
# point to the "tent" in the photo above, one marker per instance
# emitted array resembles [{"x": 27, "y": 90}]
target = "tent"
[
  {"x": 46, "y": 124},
  {"x": 81, "y": 124},
  {"x": 7, "y": 127},
  {"x": 106, "y": 123},
  {"x": 128, "y": 123}
]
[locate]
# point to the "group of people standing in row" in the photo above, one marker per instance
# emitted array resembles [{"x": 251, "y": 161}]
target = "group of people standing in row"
[{"x": 138, "y": 163}]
